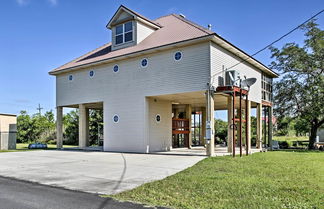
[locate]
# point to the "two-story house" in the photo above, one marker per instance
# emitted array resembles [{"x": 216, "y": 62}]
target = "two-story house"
[{"x": 151, "y": 82}]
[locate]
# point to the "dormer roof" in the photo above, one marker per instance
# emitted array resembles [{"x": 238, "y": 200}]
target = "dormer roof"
[{"x": 124, "y": 14}]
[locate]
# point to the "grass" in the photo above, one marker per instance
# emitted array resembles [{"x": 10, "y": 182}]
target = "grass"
[
  {"x": 290, "y": 138},
  {"x": 264, "y": 180},
  {"x": 24, "y": 147}
]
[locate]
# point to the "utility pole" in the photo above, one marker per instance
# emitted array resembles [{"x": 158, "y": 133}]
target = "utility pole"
[
  {"x": 39, "y": 109},
  {"x": 210, "y": 121}
]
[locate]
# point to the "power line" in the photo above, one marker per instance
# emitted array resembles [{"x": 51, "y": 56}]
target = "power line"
[
  {"x": 264, "y": 48},
  {"x": 39, "y": 109}
]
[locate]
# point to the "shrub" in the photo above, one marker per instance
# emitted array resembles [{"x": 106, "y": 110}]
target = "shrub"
[
  {"x": 283, "y": 144},
  {"x": 51, "y": 142}
]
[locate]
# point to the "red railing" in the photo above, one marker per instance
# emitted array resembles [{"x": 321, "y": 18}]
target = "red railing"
[{"x": 180, "y": 126}]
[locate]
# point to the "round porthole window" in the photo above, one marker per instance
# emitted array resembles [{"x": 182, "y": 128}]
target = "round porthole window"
[
  {"x": 158, "y": 118},
  {"x": 178, "y": 56},
  {"x": 116, "y": 69},
  {"x": 144, "y": 62},
  {"x": 70, "y": 77},
  {"x": 116, "y": 118},
  {"x": 91, "y": 73}
]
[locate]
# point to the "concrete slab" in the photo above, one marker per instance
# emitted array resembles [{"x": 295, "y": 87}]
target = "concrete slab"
[
  {"x": 201, "y": 151},
  {"x": 95, "y": 172}
]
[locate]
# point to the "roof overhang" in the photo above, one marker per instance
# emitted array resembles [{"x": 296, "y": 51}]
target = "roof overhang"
[
  {"x": 135, "y": 54},
  {"x": 212, "y": 37},
  {"x": 10, "y": 115},
  {"x": 241, "y": 54}
]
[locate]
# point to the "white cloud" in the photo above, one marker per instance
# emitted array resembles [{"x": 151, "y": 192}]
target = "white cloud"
[
  {"x": 22, "y": 2},
  {"x": 25, "y": 2},
  {"x": 172, "y": 10},
  {"x": 53, "y": 2}
]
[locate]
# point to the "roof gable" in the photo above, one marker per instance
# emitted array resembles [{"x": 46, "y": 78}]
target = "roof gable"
[{"x": 124, "y": 14}]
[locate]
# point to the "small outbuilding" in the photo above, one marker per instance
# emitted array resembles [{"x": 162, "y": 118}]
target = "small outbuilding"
[
  {"x": 8, "y": 131},
  {"x": 320, "y": 137}
]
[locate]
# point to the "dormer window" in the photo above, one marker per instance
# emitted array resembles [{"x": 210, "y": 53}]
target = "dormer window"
[{"x": 124, "y": 33}]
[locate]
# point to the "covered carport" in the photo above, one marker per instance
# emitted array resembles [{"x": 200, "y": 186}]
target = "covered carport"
[
  {"x": 84, "y": 137},
  {"x": 189, "y": 116}
]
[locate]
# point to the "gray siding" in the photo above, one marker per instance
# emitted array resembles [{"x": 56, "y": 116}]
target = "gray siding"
[
  {"x": 160, "y": 133},
  {"x": 220, "y": 57},
  {"x": 124, "y": 93}
]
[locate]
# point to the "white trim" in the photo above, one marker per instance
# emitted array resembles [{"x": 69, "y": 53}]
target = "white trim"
[
  {"x": 156, "y": 118},
  {"x": 147, "y": 61},
  {"x": 180, "y": 57},
  {"x": 90, "y": 73},
  {"x": 114, "y": 118},
  {"x": 114, "y": 68},
  {"x": 123, "y": 33}
]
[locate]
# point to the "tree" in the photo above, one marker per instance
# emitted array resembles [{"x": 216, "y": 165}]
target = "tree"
[
  {"x": 95, "y": 126},
  {"x": 301, "y": 127},
  {"x": 300, "y": 91},
  {"x": 36, "y": 127},
  {"x": 71, "y": 128},
  {"x": 220, "y": 129},
  {"x": 283, "y": 125},
  {"x": 24, "y": 129}
]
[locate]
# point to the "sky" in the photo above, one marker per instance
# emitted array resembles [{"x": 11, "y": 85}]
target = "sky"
[{"x": 37, "y": 36}]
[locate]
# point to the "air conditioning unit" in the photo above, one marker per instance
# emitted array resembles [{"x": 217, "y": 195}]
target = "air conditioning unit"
[{"x": 232, "y": 78}]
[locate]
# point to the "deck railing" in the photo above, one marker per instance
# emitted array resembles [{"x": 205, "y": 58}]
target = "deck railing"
[{"x": 180, "y": 126}]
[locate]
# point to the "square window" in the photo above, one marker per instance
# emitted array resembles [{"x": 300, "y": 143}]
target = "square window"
[
  {"x": 119, "y": 39},
  {"x": 128, "y": 26},
  {"x": 128, "y": 36},
  {"x": 119, "y": 29}
]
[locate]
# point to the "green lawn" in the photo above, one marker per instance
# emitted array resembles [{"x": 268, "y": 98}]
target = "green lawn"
[
  {"x": 264, "y": 180},
  {"x": 290, "y": 138},
  {"x": 24, "y": 147}
]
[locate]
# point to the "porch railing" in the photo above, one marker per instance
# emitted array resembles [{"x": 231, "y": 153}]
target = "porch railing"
[{"x": 180, "y": 126}]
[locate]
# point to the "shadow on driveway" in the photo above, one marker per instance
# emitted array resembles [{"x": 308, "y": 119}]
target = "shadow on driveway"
[{"x": 26, "y": 195}]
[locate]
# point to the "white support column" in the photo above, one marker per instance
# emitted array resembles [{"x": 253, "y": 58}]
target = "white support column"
[
  {"x": 203, "y": 126},
  {"x": 210, "y": 128},
  {"x": 59, "y": 127},
  {"x": 188, "y": 116},
  {"x": 270, "y": 125},
  {"x": 248, "y": 126},
  {"x": 82, "y": 126},
  {"x": 230, "y": 121},
  {"x": 259, "y": 126}
]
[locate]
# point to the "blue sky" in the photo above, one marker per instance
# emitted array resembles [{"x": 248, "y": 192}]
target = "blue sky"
[{"x": 39, "y": 35}]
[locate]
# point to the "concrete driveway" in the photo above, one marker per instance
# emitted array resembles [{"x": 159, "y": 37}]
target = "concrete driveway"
[{"x": 95, "y": 172}]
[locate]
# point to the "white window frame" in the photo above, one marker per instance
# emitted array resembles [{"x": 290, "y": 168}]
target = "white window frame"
[
  {"x": 123, "y": 33},
  {"x": 114, "y": 68},
  {"x": 180, "y": 57},
  {"x": 147, "y": 62},
  {"x": 90, "y": 73},
  {"x": 114, "y": 118},
  {"x": 156, "y": 118}
]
